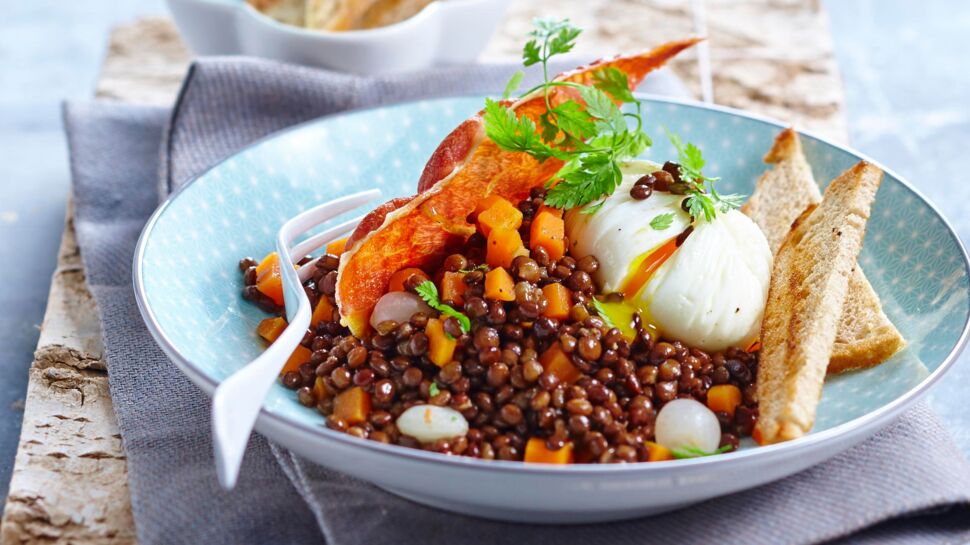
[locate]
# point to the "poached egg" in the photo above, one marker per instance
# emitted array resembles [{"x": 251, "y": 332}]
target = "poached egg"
[{"x": 709, "y": 292}]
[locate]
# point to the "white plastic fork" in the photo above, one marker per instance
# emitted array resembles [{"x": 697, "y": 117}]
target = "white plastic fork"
[{"x": 239, "y": 398}]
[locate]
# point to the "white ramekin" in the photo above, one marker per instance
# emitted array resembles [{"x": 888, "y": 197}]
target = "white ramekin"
[{"x": 444, "y": 32}]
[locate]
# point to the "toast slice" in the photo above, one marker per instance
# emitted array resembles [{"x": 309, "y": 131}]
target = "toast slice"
[
  {"x": 290, "y": 12},
  {"x": 866, "y": 337},
  {"x": 809, "y": 285},
  {"x": 336, "y": 14}
]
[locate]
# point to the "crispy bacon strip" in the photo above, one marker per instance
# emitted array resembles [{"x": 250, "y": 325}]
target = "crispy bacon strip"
[{"x": 467, "y": 166}]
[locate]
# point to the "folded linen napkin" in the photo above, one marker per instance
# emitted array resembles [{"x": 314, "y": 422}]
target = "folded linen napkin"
[{"x": 910, "y": 475}]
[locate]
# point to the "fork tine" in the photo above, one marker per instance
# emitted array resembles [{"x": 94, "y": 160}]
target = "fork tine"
[
  {"x": 324, "y": 237},
  {"x": 318, "y": 240},
  {"x": 293, "y": 295},
  {"x": 234, "y": 410},
  {"x": 319, "y": 214}
]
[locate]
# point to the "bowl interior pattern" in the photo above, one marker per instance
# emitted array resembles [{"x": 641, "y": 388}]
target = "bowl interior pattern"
[{"x": 191, "y": 283}]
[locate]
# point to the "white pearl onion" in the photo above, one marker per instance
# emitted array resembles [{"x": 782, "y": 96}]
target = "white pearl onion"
[
  {"x": 686, "y": 422},
  {"x": 398, "y": 306},
  {"x": 428, "y": 423}
]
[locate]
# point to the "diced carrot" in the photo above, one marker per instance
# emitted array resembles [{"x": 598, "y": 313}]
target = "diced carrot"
[
  {"x": 558, "y": 301},
  {"x": 268, "y": 279},
  {"x": 267, "y": 262},
  {"x": 647, "y": 267},
  {"x": 299, "y": 356},
  {"x": 485, "y": 204},
  {"x": 557, "y": 363},
  {"x": 499, "y": 285},
  {"x": 753, "y": 347},
  {"x": 320, "y": 390},
  {"x": 441, "y": 348},
  {"x": 337, "y": 247},
  {"x": 724, "y": 397},
  {"x": 558, "y": 212},
  {"x": 401, "y": 276},
  {"x": 453, "y": 287},
  {"x": 536, "y": 452},
  {"x": 503, "y": 246},
  {"x": 501, "y": 215},
  {"x": 324, "y": 312},
  {"x": 657, "y": 452},
  {"x": 271, "y": 328},
  {"x": 352, "y": 406},
  {"x": 548, "y": 231}
]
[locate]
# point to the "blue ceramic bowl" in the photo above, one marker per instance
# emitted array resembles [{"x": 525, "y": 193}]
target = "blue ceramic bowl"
[{"x": 188, "y": 289}]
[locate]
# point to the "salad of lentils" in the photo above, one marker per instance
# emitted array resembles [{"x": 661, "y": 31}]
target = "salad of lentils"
[{"x": 528, "y": 376}]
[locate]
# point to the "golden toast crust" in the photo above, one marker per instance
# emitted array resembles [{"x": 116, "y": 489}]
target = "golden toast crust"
[{"x": 809, "y": 284}]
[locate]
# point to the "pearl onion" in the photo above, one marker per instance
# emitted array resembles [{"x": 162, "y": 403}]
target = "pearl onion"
[
  {"x": 684, "y": 422},
  {"x": 428, "y": 423},
  {"x": 398, "y": 306}
]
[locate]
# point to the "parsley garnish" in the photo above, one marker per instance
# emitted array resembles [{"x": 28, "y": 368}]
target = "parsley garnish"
[
  {"x": 429, "y": 292},
  {"x": 702, "y": 198},
  {"x": 601, "y": 310},
  {"x": 591, "y": 138},
  {"x": 690, "y": 451},
  {"x": 433, "y": 389},
  {"x": 662, "y": 221}
]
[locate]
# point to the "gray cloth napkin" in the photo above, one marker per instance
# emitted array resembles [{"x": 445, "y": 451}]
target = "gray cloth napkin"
[{"x": 907, "y": 484}]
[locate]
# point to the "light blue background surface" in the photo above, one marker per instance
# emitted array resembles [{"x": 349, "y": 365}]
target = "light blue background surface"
[{"x": 904, "y": 71}]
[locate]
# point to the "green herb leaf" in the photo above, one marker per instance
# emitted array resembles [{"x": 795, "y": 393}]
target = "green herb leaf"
[
  {"x": 662, "y": 221},
  {"x": 429, "y": 293},
  {"x": 433, "y": 390},
  {"x": 601, "y": 310},
  {"x": 703, "y": 199},
  {"x": 531, "y": 53},
  {"x": 615, "y": 82},
  {"x": 602, "y": 107},
  {"x": 590, "y": 137},
  {"x": 515, "y": 133},
  {"x": 513, "y": 84},
  {"x": 572, "y": 119},
  {"x": 690, "y": 451},
  {"x": 564, "y": 40},
  {"x": 596, "y": 176},
  {"x": 557, "y": 35}
]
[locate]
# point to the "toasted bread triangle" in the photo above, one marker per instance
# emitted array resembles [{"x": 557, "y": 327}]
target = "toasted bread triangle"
[
  {"x": 866, "y": 337},
  {"x": 809, "y": 285}
]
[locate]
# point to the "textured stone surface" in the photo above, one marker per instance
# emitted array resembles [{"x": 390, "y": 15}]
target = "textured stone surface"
[{"x": 69, "y": 483}]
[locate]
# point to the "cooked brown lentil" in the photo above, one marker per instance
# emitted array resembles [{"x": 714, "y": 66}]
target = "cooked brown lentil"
[{"x": 496, "y": 380}]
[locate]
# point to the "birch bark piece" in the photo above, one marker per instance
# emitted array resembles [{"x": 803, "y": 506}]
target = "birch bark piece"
[{"x": 70, "y": 478}]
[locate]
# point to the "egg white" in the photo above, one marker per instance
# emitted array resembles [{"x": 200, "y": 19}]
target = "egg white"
[
  {"x": 620, "y": 231},
  {"x": 709, "y": 294}
]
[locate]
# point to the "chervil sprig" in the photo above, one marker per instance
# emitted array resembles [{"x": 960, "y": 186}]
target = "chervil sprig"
[
  {"x": 429, "y": 293},
  {"x": 591, "y": 137},
  {"x": 703, "y": 200}
]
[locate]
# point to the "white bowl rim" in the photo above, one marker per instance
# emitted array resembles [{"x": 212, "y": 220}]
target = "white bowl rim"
[{"x": 877, "y": 418}]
